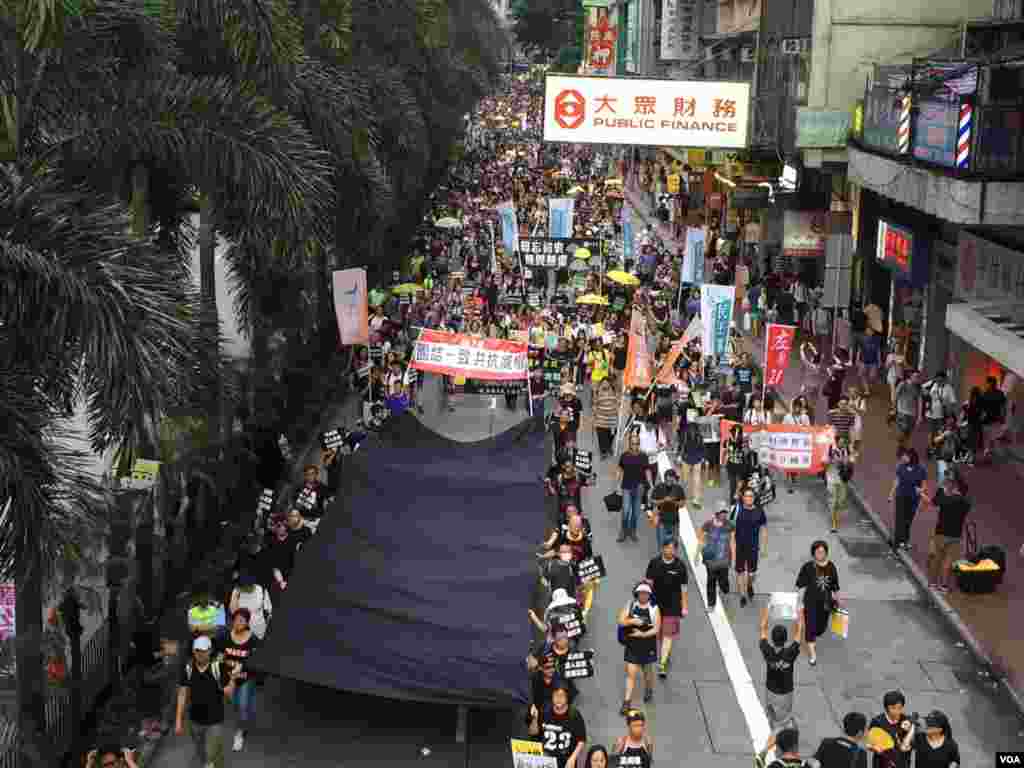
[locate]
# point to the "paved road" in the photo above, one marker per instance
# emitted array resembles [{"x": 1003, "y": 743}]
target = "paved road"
[{"x": 896, "y": 641}]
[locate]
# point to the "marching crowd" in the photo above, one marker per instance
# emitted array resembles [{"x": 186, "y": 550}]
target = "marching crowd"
[{"x": 662, "y": 444}]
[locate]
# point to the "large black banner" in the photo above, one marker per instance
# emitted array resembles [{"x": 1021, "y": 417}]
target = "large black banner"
[{"x": 554, "y": 252}]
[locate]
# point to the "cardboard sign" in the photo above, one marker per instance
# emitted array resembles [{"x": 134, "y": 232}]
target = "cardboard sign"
[
  {"x": 579, "y": 665},
  {"x": 570, "y": 623},
  {"x": 584, "y": 460},
  {"x": 332, "y": 439},
  {"x": 306, "y": 500},
  {"x": 591, "y": 569}
]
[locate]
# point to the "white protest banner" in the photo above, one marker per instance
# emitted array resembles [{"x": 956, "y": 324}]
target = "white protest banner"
[
  {"x": 350, "y": 306},
  {"x": 716, "y": 305},
  {"x": 455, "y": 354}
]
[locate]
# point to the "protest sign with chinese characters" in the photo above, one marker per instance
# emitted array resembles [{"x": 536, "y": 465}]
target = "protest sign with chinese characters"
[
  {"x": 591, "y": 569},
  {"x": 788, "y": 447},
  {"x": 530, "y": 754},
  {"x": 553, "y": 252},
  {"x": 332, "y": 439},
  {"x": 455, "y": 354},
  {"x": 584, "y": 460},
  {"x": 579, "y": 665},
  {"x": 570, "y": 622},
  {"x": 777, "y": 347}
]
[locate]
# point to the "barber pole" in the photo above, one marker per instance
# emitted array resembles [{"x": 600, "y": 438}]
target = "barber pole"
[
  {"x": 963, "y": 142},
  {"x": 903, "y": 134}
]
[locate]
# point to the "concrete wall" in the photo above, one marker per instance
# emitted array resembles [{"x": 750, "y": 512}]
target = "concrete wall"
[{"x": 849, "y": 37}]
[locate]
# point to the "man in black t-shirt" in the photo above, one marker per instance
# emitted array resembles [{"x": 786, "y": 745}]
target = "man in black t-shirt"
[
  {"x": 202, "y": 689},
  {"x": 668, "y": 576},
  {"x": 900, "y": 730},
  {"x": 562, "y": 730},
  {"x": 846, "y": 751},
  {"x": 944, "y": 547},
  {"x": 780, "y": 659}
]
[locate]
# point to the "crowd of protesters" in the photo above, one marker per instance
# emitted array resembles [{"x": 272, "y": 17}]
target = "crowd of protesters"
[{"x": 661, "y": 444}]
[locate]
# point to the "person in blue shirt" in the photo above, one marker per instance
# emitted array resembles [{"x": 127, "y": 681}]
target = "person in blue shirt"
[
  {"x": 911, "y": 480},
  {"x": 750, "y": 520}
]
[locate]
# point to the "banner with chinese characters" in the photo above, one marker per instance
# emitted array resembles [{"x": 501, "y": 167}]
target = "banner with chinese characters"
[
  {"x": 667, "y": 374},
  {"x": 601, "y": 40},
  {"x": 716, "y": 305},
  {"x": 553, "y": 252},
  {"x": 455, "y": 354},
  {"x": 777, "y": 346},
  {"x": 787, "y": 447}
]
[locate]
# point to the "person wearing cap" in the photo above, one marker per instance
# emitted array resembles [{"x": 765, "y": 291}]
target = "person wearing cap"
[
  {"x": 935, "y": 748},
  {"x": 640, "y": 620},
  {"x": 203, "y": 688},
  {"x": 635, "y": 749},
  {"x": 562, "y": 729}
]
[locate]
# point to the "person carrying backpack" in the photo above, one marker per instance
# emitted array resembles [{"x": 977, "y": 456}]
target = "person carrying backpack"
[
  {"x": 639, "y": 625},
  {"x": 691, "y": 452},
  {"x": 716, "y": 547},
  {"x": 786, "y": 744},
  {"x": 203, "y": 687}
]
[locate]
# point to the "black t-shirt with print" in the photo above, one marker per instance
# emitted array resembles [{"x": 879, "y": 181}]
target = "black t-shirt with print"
[
  {"x": 953, "y": 510},
  {"x": 669, "y": 579},
  {"x": 841, "y": 753},
  {"x": 780, "y": 663},
  {"x": 561, "y": 733},
  {"x": 206, "y": 692},
  {"x": 233, "y": 653}
]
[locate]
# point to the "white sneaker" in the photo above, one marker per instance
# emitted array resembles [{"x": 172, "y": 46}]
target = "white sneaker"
[{"x": 239, "y": 741}]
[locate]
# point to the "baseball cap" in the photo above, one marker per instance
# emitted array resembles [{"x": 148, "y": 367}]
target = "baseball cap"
[
  {"x": 644, "y": 588},
  {"x": 201, "y": 643},
  {"x": 635, "y": 715},
  {"x": 723, "y": 508}
]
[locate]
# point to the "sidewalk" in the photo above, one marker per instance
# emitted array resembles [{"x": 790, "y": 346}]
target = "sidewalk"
[{"x": 983, "y": 621}]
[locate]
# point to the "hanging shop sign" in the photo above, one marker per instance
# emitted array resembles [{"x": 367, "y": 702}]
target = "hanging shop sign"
[
  {"x": 688, "y": 23},
  {"x": 667, "y": 113},
  {"x": 895, "y": 247},
  {"x": 601, "y": 40},
  {"x": 670, "y": 48},
  {"x": 822, "y": 128},
  {"x": 804, "y": 233}
]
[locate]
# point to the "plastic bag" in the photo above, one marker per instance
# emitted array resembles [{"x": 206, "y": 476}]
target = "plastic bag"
[{"x": 840, "y": 623}]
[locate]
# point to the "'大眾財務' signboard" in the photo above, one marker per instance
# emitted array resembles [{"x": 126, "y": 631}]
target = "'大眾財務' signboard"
[{"x": 668, "y": 113}]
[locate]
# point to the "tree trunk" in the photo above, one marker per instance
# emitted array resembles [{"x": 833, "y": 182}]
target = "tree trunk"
[
  {"x": 28, "y": 617},
  {"x": 330, "y": 341},
  {"x": 140, "y": 200},
  {"x": 209, "y": 318}
]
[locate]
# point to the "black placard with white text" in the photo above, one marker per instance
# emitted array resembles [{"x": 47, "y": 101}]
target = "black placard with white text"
[
  {"x": 306, "y": 500},
  {"x": 591, "y": 569},
  {"x": 584, "y": 460},
  {"x": 570, "y": 623},
  {"x": 332, "y": 439},
  {"x": 579, "y": 665},
  {"x": 264, "y": 505}
]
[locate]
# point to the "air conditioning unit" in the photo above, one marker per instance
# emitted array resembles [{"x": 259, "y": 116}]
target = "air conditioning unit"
[
  {"x": 793, "y": 46},
  {"x": 747, "y": 54}
]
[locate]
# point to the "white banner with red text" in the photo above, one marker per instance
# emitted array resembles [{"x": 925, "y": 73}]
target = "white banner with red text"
[
  {"x": 787, "y": 447},
  {"x": 456, "y": 354}
]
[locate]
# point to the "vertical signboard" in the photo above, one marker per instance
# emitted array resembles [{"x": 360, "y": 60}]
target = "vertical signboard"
[
  {"x": 632, "y": 35},
  {"x": 670, "y": 32},
  {"x": 689, "y": 29},
  {"x": 599, "y": 52}
]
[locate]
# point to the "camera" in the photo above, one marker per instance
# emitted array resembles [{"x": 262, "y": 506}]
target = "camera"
[{"x": 914, "y": 718}]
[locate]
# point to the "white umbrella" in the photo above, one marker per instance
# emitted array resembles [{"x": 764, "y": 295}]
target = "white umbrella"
[{"x": 448, "y": 223}]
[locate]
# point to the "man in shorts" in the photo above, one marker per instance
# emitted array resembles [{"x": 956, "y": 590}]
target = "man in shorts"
[
  {"x": 750, "y": 521},
  {"x": 668, "y": 576}
]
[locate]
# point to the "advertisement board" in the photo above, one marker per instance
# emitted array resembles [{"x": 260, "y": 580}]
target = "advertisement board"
[
  {"x": 666, "y": 113},
  {"x": 601, "y": 39},
  {"x": 804, "y": 234},
  {"x": 936, "y": 125},
  {"x": 895, "y": 246}
]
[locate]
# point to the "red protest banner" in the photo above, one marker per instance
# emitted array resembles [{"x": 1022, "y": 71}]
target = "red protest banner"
[
  {"x": 777, "y": 346},
  {"x": 455, "y": 354},
  {"x": 788, "y": 447}
]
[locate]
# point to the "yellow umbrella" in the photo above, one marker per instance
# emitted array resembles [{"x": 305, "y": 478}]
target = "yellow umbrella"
[
  {"x": 593, "y": 298},
  {"x": 404, "y": 288},
  {"x": 623, "y": 278},
  {"x": 880, "y": 740},
  {"x": 582, "y": 254},
  {"x": 575, "y": 190},
  {"x": 613, "y": 182}
]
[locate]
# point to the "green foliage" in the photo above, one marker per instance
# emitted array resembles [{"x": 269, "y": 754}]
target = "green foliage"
[{"x": 545, "y": 26}]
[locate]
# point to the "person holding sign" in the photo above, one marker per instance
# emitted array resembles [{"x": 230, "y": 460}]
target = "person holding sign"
[
  {"x": 563, "y": 731},
  {"x": 635, "y": 749},
  {"x": 640, "y": 621}
]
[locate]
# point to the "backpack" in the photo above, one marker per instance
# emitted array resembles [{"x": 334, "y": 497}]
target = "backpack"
[
  {"x": 214, "y": 670},
  {"x": 621, "y": 634}
]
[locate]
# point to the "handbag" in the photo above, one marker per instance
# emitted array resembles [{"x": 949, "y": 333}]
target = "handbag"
[
  {"x": 839, "y": 623},
  {"x": 613, "y": 502}
]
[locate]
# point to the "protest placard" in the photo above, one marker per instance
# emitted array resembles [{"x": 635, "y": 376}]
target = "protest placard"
[
  {"x": 584, "y": 460},
  {"x": 591, "y": 569},
  {"x": 332, "y": 439},
  {"x": 579, "y": 665}
]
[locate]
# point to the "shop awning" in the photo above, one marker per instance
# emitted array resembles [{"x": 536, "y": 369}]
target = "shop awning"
[{"x": 994, "y": 328}]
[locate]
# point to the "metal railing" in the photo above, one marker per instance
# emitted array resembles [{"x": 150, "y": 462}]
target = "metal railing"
[{"x": 59, "y": 728}]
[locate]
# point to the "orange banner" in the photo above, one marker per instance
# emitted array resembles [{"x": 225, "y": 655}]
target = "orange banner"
[
  {"x": 667, "y": 374},
  {"x": 786, "y": 447},
  {"x": 639, "y": 367}
]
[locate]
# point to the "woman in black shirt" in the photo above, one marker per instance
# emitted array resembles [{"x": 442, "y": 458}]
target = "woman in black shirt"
[
  {"x": 935, "y": 748},
  {"x": 235, "y": 650},
  {"x": 820, "y": 581},
  {"x": 736, "y": 462}
]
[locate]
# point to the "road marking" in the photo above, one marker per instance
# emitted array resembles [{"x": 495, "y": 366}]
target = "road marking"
[{"x": 739, "y": 675}]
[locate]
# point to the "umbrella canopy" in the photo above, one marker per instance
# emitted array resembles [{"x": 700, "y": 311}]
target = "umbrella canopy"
[
  {"x": 593, "y": 298},
  {"x": 582, "y": 253},
  {"x": 613, "y": 182},
  {"x": 575, "y": 190},
  {"x": 623, "y": 278},
  {"x": 448, "y": 223},
  {"x": 578, "y": 266},
  {"x": 404, "y": 288}
]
